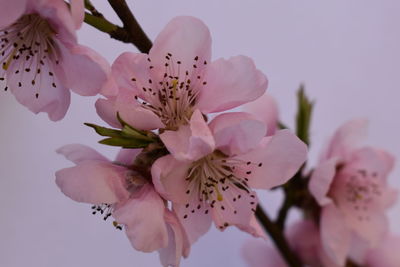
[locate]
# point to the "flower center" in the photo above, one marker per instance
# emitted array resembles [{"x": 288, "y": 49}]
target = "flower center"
[
  {"x": 28, "y": 51},
  {"x": 217, "y": 181},
  {"x": 173, "y": 97},
  {"x": 361, "y": 192}
]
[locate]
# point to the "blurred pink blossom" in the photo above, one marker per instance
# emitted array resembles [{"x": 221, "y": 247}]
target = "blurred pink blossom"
[
  {"x": 162, "y": 89},
  {"x": 117, "y": 191},
  {"x": 212, "y": 169},
  {"x": 350, "y": 183},
  {"x": 41, "y": 58}
]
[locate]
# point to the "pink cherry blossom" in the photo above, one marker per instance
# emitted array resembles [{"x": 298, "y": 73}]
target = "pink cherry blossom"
[
  {"x": 212, "y": 169},
  {"x": 164, "y": 88},
  {"x": 304, "y": 240},
  {"x": 350, "y": 184},
  {"x": 115, "y": 190},
  {"x": 41, "y": 58}
]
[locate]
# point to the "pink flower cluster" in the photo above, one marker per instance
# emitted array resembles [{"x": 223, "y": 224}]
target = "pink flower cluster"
[{"x": 208, "y": 170}]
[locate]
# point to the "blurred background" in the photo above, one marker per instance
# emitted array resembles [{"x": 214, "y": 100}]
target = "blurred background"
[{"x": 345, "y": 52}]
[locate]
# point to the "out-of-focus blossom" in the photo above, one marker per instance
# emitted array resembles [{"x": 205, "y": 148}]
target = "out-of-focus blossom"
[
  {"x": 265, "y": 109},
  {"x": 212, "y": 169},
  {"x": 115, "y": 190},
  {"x": 164, "y": 88},
  {"x": 40, "y": 56},
  {"x": 350, "y": 184},
  {"x": 304, "y": 240}
]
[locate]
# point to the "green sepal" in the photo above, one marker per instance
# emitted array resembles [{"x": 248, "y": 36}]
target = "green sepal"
[{"x": 303, "y": 117}]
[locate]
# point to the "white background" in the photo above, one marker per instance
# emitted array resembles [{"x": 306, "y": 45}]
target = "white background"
[{"x": 345, "y": 51}]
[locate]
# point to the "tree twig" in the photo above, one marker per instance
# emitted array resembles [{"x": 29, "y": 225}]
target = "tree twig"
[
  {"x": 277, "y": 236},
  {"x": 137, "y": 36}
]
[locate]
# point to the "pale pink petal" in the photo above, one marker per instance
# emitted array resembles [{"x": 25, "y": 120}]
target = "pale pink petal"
[
  {"x": 321, "y": 180},
  {"x": 78, "y": 153},
  {"x": 127, "y": 156},
  {"x": 46, "y": 95},
  {"x": 129, "y": 110},
  {"x": 131, "y": 71},
  {"x": 178, "y": 243},
  {"x": 386, "y": 254},
  {"x": 143, "y": 218},
  {"x": 85, "y": 71},
  {"x": 11, "y": 11},
  {"x": 275, "y": 161},
  {"x": 195, "y": 218},
  {"x": 93, "y": 182},
  {"x": 169, "y": 178},
  {"x": 237, "y": 132},
  {"x": 335, "y": 234},
  {"x": 77, "y": 12},
  {"x": 265, "y": 109},
  {"x": 346, "y": 138},
  {"x": 372, "y": 229},
  {"x": 231, "y": 83},
  {"x": 259, "y": 253},
  {"x": 236, "y": 208},
  {"x": 184, "y": 38},
  {"x": 58, "y": 15},
  {"x": 190, "y": 142}
]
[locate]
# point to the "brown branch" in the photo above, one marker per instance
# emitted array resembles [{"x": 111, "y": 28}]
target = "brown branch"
[{"x": 137, "y": 36}]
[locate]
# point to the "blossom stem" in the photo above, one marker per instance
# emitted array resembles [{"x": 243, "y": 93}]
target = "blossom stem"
[
  {"x": 136, "y": 33},
  {"x": 277, "y": 236}
]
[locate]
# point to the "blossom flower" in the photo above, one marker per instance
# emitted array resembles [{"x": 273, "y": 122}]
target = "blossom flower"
[
  {"x": 350, "y": 185},
  {"x": 212, "y": 169},
  {"x": 40, "y": 57},
  {"x": 164, "y": 88},
  {"x": 303, "y": 238},
  {"x": 118, "y": 191}
]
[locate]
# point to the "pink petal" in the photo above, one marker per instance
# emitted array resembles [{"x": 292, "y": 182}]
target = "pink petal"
[
  {"x": 184, "y": 38},
  {"x": 231, "y": 83},
  {"x": 11, "y": 11},
  {"x": 265, "y": 109},
  {"x": 77, "y": 12},
  {"x": 385, "y": 254},
  {"x": 178, "y": 243},
  {"x": 58, "y": 15},
  {"x": 93, "y": 182},
  {"x": 195, "y": 218},
  {"x": 237, "y": 132},
  {"x": 146, "y": 230},
  {"x": 259, "y": 253},
  {"x": 78, "y": 153},
  {"x": 41, "y": 97},
  {"x": 346, "y": 138},
  {"x": 276, "y": 160},
  {"x": 169, "y": 178},
  {"x": 334, "y": 234},
  {"x": 372, "y": 230},
  {"x": 127, "y": 156},
  {"x": 235, "y": 210},
  {"x": 78, "y": 60},
  {"x": 190, "y": 142},
  {"x": 131, "y": 71},
  {"x": 129, "y": 110},
  {"x": 321, "y": 180}
]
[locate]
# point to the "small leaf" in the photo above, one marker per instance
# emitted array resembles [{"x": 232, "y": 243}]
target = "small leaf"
[
  {"x": 124, "y": 143},
  {"x": 103, "y": 131}
]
